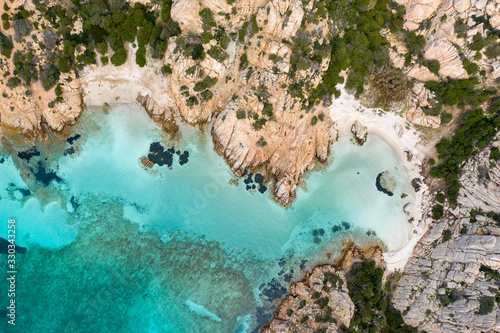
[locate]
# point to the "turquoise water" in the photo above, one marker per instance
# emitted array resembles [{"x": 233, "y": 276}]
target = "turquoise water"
[{"x": 113, "y": 247}]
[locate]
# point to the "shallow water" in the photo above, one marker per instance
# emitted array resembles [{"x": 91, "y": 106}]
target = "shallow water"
[{"x": 120, "y": 248}]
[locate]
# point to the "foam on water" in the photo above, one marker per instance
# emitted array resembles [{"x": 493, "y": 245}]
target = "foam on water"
[{"x": 200, "y": 255}]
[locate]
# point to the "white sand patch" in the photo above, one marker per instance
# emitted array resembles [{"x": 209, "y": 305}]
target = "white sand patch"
[
  {"x": 403, "y": 138},
  {"x": 122, "y": 84}
]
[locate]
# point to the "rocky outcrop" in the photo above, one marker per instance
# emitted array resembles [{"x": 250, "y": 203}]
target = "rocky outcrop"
[
  {"x": 288, "y": 144},
  {"x": 360, "y": 132},
  {"x": 386, "y": 183},
  {"x": 480, "y": 183},
  {"x": 451, "y": 283},
  {"x": 419, "y": 98},
  {"x": 322, "y": 294}
]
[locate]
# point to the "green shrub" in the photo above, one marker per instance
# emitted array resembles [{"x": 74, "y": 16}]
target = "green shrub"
[
  {"x": 207, "y": 95},
  {"x": 140, "y": 56},
  {"x": 314, "y": 120},
  {"x": 119, "y": 57},
  {"x": 6, "y": 45},
  {"x": 494, "y": 153},
  {"x": 240, "y": 114},
  {"x": 441, "y": 198},
  {"x": 243, "y": 61},
  {"x": 446, "y": 117},
  {"x": 437, "y": 212},
  {"x": 104, "y": 60},
  {"x": 486, "y": 305},
  {"x": 13, "y": 82},
  {"x": 446, "y": 235},
  {"x": 489, "y": 272},
  {"x": 166, "y": 70}
]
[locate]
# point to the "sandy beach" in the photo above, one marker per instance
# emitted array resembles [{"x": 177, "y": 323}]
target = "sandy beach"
[{"x": 403, "y": 138}]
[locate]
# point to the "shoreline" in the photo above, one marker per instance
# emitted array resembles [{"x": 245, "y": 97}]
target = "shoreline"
[
  {"x": 111, "y": 85},
  {"x": 401, "y": 136}
]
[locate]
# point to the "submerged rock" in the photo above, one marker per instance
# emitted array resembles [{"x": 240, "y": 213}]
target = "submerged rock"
[{"x": 386, "y": 183}]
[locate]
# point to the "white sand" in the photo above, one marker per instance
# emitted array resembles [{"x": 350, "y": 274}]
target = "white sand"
[
  {"x": 122, "y": 84},
  {"x": 344, "y": 111}
]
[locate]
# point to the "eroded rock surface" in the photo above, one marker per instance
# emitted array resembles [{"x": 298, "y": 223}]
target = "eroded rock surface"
[{"x": 451, "y": 284}]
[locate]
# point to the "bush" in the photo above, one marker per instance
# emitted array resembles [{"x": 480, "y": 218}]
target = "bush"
[
  {"x": 494, "y": 153},
  {"x": 207, "y": 95},
  {"x": 243, "y": 61},
  {"x": 437, "y": 212},
  {"x": 104, "y": 60},
  {"x": 119, "y": 57},
  {"x": 446, "y": 117},
  {"x": 314, "y": 120},
  {"x": 49, "y": 76},
  {"x": 13, "y": 82},
  {"x": 446, "y": 235},
  {"x": 240, "y": 114},
  {"x": 441, "y": 198},
  {"x": 486, "y": 305},
  {"x": 6, "y": 45},
  {"x": 166, "y": 70},
  {"x": 140, "y": 56}
]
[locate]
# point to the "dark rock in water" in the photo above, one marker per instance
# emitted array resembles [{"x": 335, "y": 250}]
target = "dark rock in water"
[
  {"x": 259, "y": 179},
  {"x": 385, "y": 183},
  {"x": 4, "y": 247},
  {"x": 416, "y": 183},
  {"x": 73, "y": 138},
  {"x": 74, "y": 203},
  {"x": 69, "y": 151},
  {"x": 288, "y": 278},
  {"x": 336, "y": 228},
  {"x": 282, "y": 262},
  {"x": 273, "y": 290},
  {"x": 321, "y": 231},
  {"x": 248, "y": 187},
  {"x": 303, "y": 264},
  {"x": 45, "y": 177},
  {"x": 183, "y": 158},
  {"x": 315, "y": 232},
  {"x": 317, "y": 240},
  {"x": 263, "y": 316},
  {"x": 244, "y": 173},
  {"x": 24, "y": 191},
  {"x": 253, "y": 187},
  {"x": 368, "y": 233},
  {"x": 262, "y": 189},
  {"x": 2, "y": 160},
  {"x": 247, "y": 181},
  {"x": 28, "y": 154},
  {"x": 158, "y": 155},
  {"x": 346, "y": 225}
]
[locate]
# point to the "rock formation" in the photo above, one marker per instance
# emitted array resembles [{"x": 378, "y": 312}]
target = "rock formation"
[
  {"x": 451, "y": 283},
  {"x": 321, "y": 294},
  {"x": 360, "y": 132},
  {"x": 386, "y": 183}
]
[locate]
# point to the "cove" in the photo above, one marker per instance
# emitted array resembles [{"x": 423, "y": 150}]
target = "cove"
[{"x": 180, "y": 249}]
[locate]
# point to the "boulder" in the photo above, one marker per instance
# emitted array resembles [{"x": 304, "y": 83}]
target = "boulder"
[
  {"x": 360, "y": 132},
  {"x": 386, "y": 183}
]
